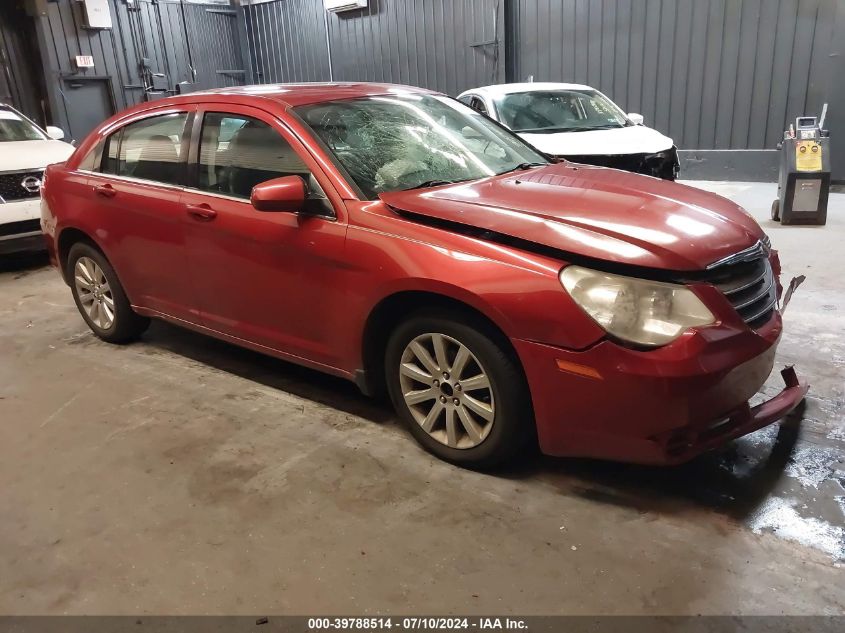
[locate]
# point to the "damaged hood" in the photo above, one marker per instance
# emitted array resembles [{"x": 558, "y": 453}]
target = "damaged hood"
[
  {"x": 594, "y": 212},
  {"x": 634, "y": 139}
]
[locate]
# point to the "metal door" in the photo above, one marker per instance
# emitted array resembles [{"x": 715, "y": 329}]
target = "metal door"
[
  {"x": 216, "y": 48},
  {"x": 88, "y": 103}
]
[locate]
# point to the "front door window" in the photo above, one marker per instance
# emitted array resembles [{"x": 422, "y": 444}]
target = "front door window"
[{"x": 238, "y": 152}]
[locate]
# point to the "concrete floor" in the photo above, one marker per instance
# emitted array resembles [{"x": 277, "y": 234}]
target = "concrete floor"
[{"x": 183, "y": 475}]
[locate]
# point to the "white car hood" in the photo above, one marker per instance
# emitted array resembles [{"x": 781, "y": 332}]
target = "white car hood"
[
  {"x": 635, "y": 139},
  {"x": 23, "y": 155}
]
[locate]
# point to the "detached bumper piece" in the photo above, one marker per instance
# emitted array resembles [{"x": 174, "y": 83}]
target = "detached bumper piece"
[
  {"x": 683, "y": 444},
  {"x": 663, "y": 165}
]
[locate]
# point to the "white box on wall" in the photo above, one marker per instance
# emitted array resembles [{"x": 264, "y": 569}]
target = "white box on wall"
[
  {"x": 336, "y": 6},
  {"x": 97, "y": 14}
]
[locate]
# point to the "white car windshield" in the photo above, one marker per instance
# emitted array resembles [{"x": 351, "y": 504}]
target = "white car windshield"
[
  {"x": 14, "y": 127},
  {"x": 550, "y": 111},
  {"x": 408, "y": 141}
]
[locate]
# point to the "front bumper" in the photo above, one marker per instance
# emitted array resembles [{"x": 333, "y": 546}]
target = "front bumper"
[
  {"x": 662, "y": 406},
  {"x": 26, "y": 242},
  {"x": 20, "y": 227},
  {"x": 663, "y": 164}
]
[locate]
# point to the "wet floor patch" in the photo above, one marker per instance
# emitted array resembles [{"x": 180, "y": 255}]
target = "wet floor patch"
[
  {"x": 786, "y": 480},
  {"x": 804, "y": 504},
  {"x": 782, "y": 518},
  {"x": 812, "y": 465}
]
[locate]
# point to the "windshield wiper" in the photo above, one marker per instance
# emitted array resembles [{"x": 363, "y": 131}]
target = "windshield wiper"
[
  {"x": 432, "y": 183},
  {"x": 549, "y": 130},
  {"x": 522, "y": 167}
]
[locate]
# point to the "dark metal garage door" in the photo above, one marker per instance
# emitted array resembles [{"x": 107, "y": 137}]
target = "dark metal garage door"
[
  {"x": 215, "y": 46},
  {"x": 195, "y": 46},
  {"x": 448, "y": 46}
]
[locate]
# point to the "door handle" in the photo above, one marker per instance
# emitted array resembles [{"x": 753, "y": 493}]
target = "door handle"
[
  {"x": 201, "y": 212},
  {"x": 107, "y": 191}
]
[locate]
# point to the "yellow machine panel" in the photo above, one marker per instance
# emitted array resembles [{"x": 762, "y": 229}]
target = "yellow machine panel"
[{"x": 808, "y": 156}]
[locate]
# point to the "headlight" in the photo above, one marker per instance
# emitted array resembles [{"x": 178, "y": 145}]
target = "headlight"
[{"x": 635, "y": 310}]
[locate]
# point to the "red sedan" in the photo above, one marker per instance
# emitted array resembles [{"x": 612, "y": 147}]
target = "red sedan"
[{"x": 395, "y": 237}]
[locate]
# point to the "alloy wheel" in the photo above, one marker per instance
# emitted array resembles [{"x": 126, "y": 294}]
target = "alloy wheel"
[
  {"x": 447, "y": 390},
  {"x": 94, "y": 292}
]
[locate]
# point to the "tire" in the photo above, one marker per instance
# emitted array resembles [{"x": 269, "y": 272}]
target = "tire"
[
  {"x": 776, "y": 210},
  {"x": 99, "y": 296},
  {"x": 491, "y": 424}
]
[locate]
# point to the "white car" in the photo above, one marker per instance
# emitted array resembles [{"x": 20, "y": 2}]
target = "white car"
[
  {"x": 577, "y": 123},
  {"x": 25, "y": 150}
]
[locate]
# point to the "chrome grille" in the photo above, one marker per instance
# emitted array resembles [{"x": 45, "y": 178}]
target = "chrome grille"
[
  {"x": 11, "y": 185},
  {"x": 749, "y": 286}
]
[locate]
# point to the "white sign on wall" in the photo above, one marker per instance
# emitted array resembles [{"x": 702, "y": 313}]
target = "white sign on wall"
[
  {"x": 97, "y": 14},
  {"x": 338, "y": 6},
  {"x": 84, "y": 61}
]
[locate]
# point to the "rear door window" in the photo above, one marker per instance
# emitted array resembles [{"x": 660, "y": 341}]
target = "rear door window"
[
  {"x": 93, "y": 158},
  {"x": 150, "y": 149}
]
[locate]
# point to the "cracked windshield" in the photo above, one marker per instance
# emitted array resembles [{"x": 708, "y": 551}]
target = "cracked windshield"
[
  {"x": 551, "y": 111},
  {"x": 409, "y": 141}
]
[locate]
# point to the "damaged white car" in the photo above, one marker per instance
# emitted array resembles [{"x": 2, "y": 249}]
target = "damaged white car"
[{"x": 578, "y": 123}]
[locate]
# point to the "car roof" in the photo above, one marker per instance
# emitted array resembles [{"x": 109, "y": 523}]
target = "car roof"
[
  {"x": 286, "y": 95},
  {"x": 498, "y": 90},
  {"x": 296, "y": 94}
]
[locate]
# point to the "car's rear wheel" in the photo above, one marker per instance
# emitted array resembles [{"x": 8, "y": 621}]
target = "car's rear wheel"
[
  {"x": 99, "y": 296},
  {"x": 461, "y": 393}
]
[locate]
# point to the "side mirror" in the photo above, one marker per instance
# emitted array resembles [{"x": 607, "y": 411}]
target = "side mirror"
[
  {"x": 280, "y": 194},
  {"x": 55, "y": 133},
  {"x": 636, "y": 119}
]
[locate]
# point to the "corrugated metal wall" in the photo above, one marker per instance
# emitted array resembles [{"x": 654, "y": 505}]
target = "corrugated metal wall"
[
  {"x": 20, "y": 77},
  {"x": 219, "y": 55},
  {"x": 197, "y": 45},
  {"x": 713, "y": 74},
  {"x": 287, "y": 41},
  {"x": 446, "y": 45}
]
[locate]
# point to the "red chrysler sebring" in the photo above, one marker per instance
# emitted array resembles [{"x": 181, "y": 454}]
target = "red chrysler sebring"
[{"x": 397, "y": 238}]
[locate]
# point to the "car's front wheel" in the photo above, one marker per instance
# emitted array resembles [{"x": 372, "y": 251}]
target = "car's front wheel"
[
  {"x": 460, "y": 391},
  {"x": 99, "y": 296}
]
